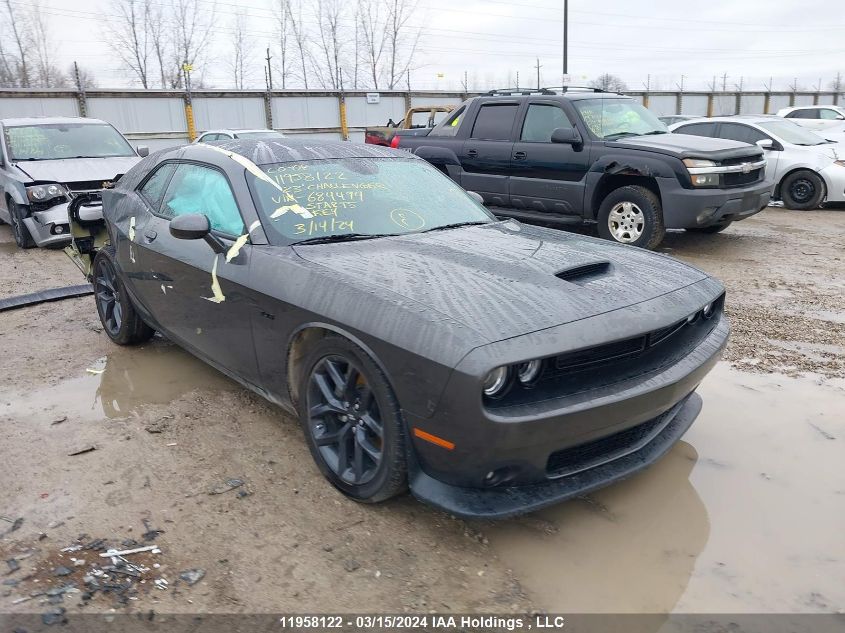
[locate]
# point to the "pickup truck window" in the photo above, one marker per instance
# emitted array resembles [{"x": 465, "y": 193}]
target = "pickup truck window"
[
  {"x": 611, "y": 119},
  {"x": 450, "y": 126},
  {"x": 494, "y": 121},
  {"x": 541, "y": 120}
]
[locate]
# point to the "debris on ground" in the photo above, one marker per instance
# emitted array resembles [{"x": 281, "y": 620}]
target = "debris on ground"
[
  {"x": 58, "y": 420},
  {"x": 13, "y": 564},
  {"x": 229, "y": 484},
  {"x": 82, "y": 451},
  {"x": 16, "y": 524},
  {"x": 160, "y": 425},
  {"x": 192, "y": 576}
]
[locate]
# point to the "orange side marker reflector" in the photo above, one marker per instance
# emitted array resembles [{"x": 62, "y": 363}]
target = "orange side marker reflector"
[{"x": 428, "y": 437}]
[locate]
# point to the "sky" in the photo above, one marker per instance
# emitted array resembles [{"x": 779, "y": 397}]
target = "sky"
[{"x": 654, "y": 42}]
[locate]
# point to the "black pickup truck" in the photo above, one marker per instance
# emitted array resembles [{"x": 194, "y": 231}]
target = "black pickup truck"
[{"x": 588, "y": 156}]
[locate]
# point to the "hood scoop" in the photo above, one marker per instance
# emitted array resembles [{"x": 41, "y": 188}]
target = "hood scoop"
[{"x": 584, "y": 273}]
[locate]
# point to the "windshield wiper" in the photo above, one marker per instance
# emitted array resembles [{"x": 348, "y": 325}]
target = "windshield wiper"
[
  {"x": 343, "y": 237},
  {"x": 616, "y": 135},
  {"x": 456, "y": 225},
  {"x": 654, "y": 132}
]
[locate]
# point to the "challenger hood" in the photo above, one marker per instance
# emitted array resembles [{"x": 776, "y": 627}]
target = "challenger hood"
[
  {"x": 67, "y": 170},
  {"x": 690, "y": 146},
  {"x": 505, "y": 279}
]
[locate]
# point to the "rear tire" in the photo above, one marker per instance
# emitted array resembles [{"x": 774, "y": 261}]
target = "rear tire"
[
  {"x": 713, "y": 228},
  {"x": 117, "y": 314},
  {"x": 632, "y": 215},
  {"x": 802, "y": 190},
  {"x": 352, "y": 421},
  {"x": 22, "y": 236}
]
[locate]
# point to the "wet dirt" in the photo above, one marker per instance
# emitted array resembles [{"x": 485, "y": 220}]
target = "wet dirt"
[{"x": 745, "y": 514}]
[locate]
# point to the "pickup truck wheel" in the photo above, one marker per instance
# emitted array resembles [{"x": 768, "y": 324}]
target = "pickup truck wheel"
[
  {"x": 713, "y": 228},
  {"x": 632, "y": 215},
  {"x": 352, "y": 422},
  {"x": 22, "y": 236},
  {"x": 117, "y": 314},
  {"x": 802, "y": 190}
]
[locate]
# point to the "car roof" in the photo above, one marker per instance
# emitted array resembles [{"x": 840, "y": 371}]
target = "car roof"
[
  {"x": 232, "y": 131},
  {"x": 49, "y": 120},
  {"x": 287, "y": 150},
  {"x": 733, "y": 118},
  {"x": 571, "y": 95}
]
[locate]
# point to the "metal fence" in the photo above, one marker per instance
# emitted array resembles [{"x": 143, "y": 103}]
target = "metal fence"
[{"x": 160, "y": 118}]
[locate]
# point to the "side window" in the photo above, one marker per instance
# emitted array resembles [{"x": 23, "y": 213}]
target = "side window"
[
  {"x": 741, "y": 133},
  {"x": 494, "y": 122},
  {"x": 198, "y": 189},
  {"x": 697, "y": 129},
  {"x": 153, "y": 189},
  {"x": 541, "y": 120},
  {"x": 802, "y": 114},
  {"x": 450, "y": 126},
  {"x": 828, "y": 114}
]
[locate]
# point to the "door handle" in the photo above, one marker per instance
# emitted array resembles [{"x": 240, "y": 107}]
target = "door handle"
[
  {"x": 519, "y": 155},
  {"x": 150, "y": 235},
  {"x": 472, "y": 153}
]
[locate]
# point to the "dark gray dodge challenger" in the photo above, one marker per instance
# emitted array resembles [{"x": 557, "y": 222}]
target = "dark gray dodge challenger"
[{"x": 492, "y": 367}]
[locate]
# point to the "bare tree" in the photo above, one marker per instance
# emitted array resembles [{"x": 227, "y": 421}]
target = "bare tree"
[
  {"x": 192, "y": 26},
  {"x": 401, "y": 39},
  {"x": 609, "y": 82},
  {"x": 283, "y": 35},
  {"x": 161, "y": 45},
  {"x": 18, "y": 25},
  {"x": 328, "y": 14},
  {"x": 373, "y": 38},
  {"x": 131, "y": 36},
  {"x": 241, "y": 52},
  {"x": 300, "y": 36}
]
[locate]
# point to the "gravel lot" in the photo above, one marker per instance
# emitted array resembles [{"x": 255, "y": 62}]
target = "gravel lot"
[{"x": 222, "y": 481}]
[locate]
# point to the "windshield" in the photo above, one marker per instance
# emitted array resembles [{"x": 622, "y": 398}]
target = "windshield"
[
  {"x": 616, "y": 118},
  {"x": 260, "y": 134},
  {"x": 65, "y": 140},
  {"x": 792, "y": 133},
  {"x": 358, "y": 196}
]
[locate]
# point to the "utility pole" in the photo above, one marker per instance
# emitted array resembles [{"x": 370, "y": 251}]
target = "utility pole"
[
  {"x": 409, "y": 80},
  {"x": 517, "y": 79},
  {"x": 538, "y": 67},
  {"x": 837, "y": 88},
  {"x": 269, "y": 70},
  {"x": 681, "y": 85},
  {"x": 565, "y": 40},
  {"x": 679, "y": 99},
  {"x": 80, "y": 92},
  {"x": 724, "y": 82}
]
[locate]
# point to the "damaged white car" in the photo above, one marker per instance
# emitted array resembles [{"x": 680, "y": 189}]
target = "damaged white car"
[{"x": 47, "y": 161}]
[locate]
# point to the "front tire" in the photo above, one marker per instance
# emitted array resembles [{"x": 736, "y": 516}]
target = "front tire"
[
  {"x": 802, "y": 190},
  {"x": 22, "y": 236},
  {"x": 352, "y": 421},
  {"x": 632, "y": 215},
  {"x": 117, "y": 314}
]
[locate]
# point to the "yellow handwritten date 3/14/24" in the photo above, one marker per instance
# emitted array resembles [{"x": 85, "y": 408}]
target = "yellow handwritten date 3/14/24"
[{"x": 322, "y": 227}]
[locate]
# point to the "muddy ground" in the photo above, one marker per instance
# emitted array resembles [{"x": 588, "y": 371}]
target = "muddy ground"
[{"x": 746, "y": 514}]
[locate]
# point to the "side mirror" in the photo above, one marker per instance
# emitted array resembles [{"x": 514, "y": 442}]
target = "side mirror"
[
  {"x": 567, "y": 135},
  {"x": 143, "y": 150},
  {"x": 765, "y": 143},
  {"x": 195, "y": 226},
  {"x": 476, "y": 196},
  {"x": 840, "y": 117}
]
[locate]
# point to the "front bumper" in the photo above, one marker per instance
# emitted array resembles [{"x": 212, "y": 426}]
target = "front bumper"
[
  {"x": 693, "y": 208},
  {"x": 42, "y": 226},
  {"x": 499, "y": 503}
]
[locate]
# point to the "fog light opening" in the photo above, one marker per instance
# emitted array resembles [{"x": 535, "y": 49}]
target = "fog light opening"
[
  {"x": 501, "y": 476},
  {"x": 58, "y": 229}
]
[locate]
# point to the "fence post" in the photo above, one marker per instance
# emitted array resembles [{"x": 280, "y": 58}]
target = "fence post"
[
  {"x": 344, "y": 126},
  {"x": 679, "y": 103},
  {"x": 816, "y": 99},
  {"x": 268, "y": 109},
  {"x": 407, "y": 96},
  {"x": 81, "y": 100},
  {"x": 791, "y": 98},
  {"x": 766, "y": 102},
  {"x": 738, "y": 106},
  {"x": 710, "y": 98}
]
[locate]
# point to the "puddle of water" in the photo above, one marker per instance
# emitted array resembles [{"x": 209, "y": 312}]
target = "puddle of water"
[
  {"x": 746, "y": 514},
  {"x": 120, "y": 385}
]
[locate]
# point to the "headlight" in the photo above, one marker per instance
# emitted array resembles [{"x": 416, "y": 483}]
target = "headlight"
[
  {"x": 705, "y": 180},
  {"x": 841, "y": 163},
  {"x": 40, "y": 193},
  {"x": 528, "y": 372},
  {"x": 698, "y": 162},
  {"x": 708, "y": 310},
  {"x": 496, "y": 382}
]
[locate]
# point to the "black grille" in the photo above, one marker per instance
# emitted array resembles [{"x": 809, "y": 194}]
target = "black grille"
[
  {"x": 89, "y": 185},
  {"x": 738, "y": 178},
  {"x": 600, "y": 354},
  {"x": 584, "y": 456}
]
